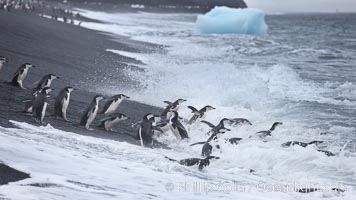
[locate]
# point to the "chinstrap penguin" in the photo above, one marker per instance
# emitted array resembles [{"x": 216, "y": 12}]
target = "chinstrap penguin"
[
  {"x": 108, "y": 122},
  {"x": 90, "y": 113},
  {"x": 62, "y": 102},
  {"x": 171, "y": 107},
  {"x": 264, "y": 134},
  {"x": 194, "y": 161},
  {"x": 3, "y": 60},
  {"x": 113, "y": 104},
  {"x": 20, "y": 75},
  {"x": 199, "y": 114},
  {"x": 40, "y": 104},
  {"x": 145, "y": 130},
  {"x": 176, "y": 126},
  {"x": 302, "y": 144}
]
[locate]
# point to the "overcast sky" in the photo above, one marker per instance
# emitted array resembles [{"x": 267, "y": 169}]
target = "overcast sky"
[{"x": 274, "y": 6}]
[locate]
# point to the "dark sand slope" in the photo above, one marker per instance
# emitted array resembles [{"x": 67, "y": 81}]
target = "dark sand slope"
[{"x": 77, "y": 56}]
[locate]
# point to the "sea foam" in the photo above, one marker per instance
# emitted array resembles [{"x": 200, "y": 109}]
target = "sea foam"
[{"x": 225, "y": 20}]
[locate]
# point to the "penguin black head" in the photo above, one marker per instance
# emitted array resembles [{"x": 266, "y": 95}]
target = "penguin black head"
[
  {"x": 275, "y": 124},
  {"x": 69, "y": 89},
  {"x": 121, "y": 116},
  {"x": 3, "y": 59},
  {"x": 98, "y": 98},
  {"x": 28, "y": 65},
  {"x": 122, "y": 96},
  {"x": 208, "y": 107},
  {"x": 52, "y": 76},
  {"x": 181, "y": 101}
]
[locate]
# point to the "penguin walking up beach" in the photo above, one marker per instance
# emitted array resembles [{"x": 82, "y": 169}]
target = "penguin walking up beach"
[
  {"x": 62, "y": 102},
  {"x": 20, "y": 75},
  {"x": 46, "y": 81},
  {"x": 40, "y": 104},
  {"x": 113, "y": 104},
  {"x": 3, "y": 60},
  {"x": 90, "y": 113},
  {"x": 108, "y": 122},
  {"x": 199, "y": 114}
]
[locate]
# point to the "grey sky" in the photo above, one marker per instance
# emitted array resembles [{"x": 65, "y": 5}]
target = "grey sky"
[{"x": 275, "y": 6}]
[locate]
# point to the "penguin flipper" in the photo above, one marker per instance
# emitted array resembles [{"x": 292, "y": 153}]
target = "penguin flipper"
[
  {"x": 197, "y": 143},
  {"x": 208, "y": 123},
  {"x": 106, "y": 106},
  {"x": 157, "y": 129},
  {"x": 168, "y": 102},
  {"x": 171, "y": 159},
  {"x": 194, "y": 110}
]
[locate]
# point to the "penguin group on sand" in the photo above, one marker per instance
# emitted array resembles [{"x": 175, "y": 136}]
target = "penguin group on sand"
[
  {"x": 151, "y": 125},
  {"x": 39, "y": 100}
]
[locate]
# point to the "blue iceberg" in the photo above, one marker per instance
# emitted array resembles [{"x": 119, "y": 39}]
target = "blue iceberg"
[{"x": 225, "y": 20}]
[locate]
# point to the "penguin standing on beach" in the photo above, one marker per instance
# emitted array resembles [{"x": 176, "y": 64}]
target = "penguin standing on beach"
[
  {"x": 176, "y": 127},
  {"x": 20, "y": 75},
  {"x": 90, "y": 112},
  {"x": 46, "y": 81},
  {"x": 199, "y": 114},
  {"x": 113, "y": 104},
  {"x": 3, "y": 60},
  {"x": 108, "y": 122},
  {"x": 62, "y": 102},
  {"x": 40, "y": 104}
]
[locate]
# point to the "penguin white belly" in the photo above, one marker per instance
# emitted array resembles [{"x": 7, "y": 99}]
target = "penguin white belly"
[
  {"x": 175, "y": 131},
  {"x": 113, "y": 107},
  {"x": 202, "y": 117},
  {"x": 48, "y": 84},
  {"x": 21, "y": 77},
  {"x": 91, "y": 117},
  {"x": 43, "y": 113},
  {"x": 140, "y": 134},
  {"x": 65, "y": 106}
]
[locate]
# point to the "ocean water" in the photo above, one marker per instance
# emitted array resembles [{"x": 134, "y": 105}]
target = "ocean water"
[{"x": 303, "y": 73}]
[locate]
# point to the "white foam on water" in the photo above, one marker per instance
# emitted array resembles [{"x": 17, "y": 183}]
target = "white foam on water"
[{"x": 78, "y": 167}]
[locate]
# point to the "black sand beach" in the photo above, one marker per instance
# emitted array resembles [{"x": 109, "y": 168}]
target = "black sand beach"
[
  {"x": 8, "y": 174},
  {"x": 78, "y": 56}
]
